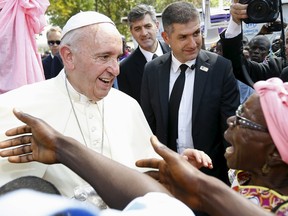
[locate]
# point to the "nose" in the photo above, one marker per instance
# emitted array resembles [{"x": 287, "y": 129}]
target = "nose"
[
  {"x": 231, "y": 121},
  {"x": 192, "y": 41},
  {"x": 256, "y": 50},
  {"x": 113, "y": 67},
  {"x": 144, "y": 31}
]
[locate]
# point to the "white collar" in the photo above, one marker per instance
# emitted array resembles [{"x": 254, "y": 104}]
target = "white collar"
[
  {"x": 75, "y": 95},
  {"x": 175, "y": 64},
  {"x": 148, "y": 55}
]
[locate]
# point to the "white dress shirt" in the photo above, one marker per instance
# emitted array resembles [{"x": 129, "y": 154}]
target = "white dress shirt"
[
  {"x": 185, "y": 109},
  {"x": 149, "y": 55}
]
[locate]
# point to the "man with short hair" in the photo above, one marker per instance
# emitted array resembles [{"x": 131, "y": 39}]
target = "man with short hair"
[
  {"x": 209, "y": 90},
  {"x": 259, "y": 48},
  {"x": 53, "y": 40},
  {"x": 80, "y": 102},
  {"x": 144, "y": 27}
]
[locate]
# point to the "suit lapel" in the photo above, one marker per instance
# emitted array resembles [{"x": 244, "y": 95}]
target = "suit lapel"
[
  {"x": 140, "y": 60},
  {"x": 201, "y": 74},
  {"x": 164, "y": 77}
]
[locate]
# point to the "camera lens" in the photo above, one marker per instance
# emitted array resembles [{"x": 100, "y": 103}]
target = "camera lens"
[
  {"x": 244, "y": 1},
  {"x": 258, "y": 9}
]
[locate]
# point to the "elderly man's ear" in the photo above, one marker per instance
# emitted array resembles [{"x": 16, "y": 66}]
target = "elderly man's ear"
[{"x": 67, "y": 57}]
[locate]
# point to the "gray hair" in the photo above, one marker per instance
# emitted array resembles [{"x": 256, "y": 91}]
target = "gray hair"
[
  {"x": 178, "y": 12},
  {"x": 139, "y": 12}
]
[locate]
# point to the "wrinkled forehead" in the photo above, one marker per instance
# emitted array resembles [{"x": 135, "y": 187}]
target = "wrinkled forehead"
[
  {"x": 100, "y": 31},
  {"x": 102, "y": 38},
  {"x": 253, "y": 110}
]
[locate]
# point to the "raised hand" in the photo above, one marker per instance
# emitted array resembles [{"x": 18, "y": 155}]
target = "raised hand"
[
  {"x": 197, "y": 158},
  {"x": 238, "y": 11},
  {"x": 26, "y": 148},
  {"x": 176, "y": 174}
]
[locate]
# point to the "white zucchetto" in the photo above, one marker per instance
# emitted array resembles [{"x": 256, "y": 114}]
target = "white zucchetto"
[{"x": 85, "y": 18}]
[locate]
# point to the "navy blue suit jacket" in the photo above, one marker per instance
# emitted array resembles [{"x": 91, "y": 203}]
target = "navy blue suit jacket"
[{"x": 52, "y": 67}]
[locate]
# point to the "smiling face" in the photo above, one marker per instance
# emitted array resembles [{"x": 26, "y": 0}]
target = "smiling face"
[
  {"x": 249, "y": 148},
  {"x": 185, "y": 40},
  {"x": 92, "y": 64},
  {"x": 144, "y": 31}
]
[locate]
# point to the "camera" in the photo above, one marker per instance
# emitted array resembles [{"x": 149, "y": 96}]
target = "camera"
[{"x": 261, "y": 11}]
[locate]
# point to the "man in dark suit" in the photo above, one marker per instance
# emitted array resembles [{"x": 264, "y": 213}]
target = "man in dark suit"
[
  {"x": 53, "y": 35},
  {"x": 143, "y": 27},
  {"x": 232, "y": 45},
  {"x": 210, "y": 93}
]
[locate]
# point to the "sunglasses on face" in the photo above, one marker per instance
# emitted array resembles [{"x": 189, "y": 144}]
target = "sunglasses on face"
[
  {"x": 51, "y": 43},
  {"x": 246, "y": 123}
]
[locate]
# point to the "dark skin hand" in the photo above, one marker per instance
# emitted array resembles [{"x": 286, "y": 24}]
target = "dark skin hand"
[
  {"x": 45, "y": 153},
  {"x": 169, "y": 168},
  {"x": 48, "y": 146},
  {"x": 196, "y": 189}
]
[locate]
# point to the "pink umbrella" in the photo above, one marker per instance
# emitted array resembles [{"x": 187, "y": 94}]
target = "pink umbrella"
[{"x": 20, "y": 62}]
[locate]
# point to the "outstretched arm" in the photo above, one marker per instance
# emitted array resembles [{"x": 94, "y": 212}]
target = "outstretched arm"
[
  {"x": 115, "y": 183},
  {"x": 196, "y": 189}
]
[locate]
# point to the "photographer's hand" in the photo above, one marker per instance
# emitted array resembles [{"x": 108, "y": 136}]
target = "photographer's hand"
[{"x": 238, "y": 11}]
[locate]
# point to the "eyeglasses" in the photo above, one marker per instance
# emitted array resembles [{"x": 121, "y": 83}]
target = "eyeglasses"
[
  {"x": 51, "y": 43},
  {"x": 246, "y": 123}
]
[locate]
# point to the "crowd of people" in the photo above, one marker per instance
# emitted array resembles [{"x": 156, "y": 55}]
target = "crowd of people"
[{"x": 169, "y": 127}]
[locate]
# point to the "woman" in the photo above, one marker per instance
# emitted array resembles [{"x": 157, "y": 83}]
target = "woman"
[{"x": 258, "y": 135}]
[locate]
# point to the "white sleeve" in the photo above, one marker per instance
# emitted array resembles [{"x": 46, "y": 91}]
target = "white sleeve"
[{"x": 233, "y": 29}]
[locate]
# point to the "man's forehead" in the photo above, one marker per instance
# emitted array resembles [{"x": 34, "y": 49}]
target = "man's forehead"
[{"x": 83, "y": 19}]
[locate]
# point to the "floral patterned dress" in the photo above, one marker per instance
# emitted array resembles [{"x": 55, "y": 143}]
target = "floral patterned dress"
[{"x": 267, "y": 198}]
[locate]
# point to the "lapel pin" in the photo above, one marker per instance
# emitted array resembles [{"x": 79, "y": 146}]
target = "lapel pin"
[{"x": 203, "y": 68}]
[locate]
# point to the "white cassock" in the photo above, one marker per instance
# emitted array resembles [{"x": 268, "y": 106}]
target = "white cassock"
[{"x": 121, "y": 132}]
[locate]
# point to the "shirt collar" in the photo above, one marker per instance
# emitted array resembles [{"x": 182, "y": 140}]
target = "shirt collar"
[
  {"x": 176, "y": 64},
  {"x": 148, "y": 55},
  {"x": 76, "y": 96}
]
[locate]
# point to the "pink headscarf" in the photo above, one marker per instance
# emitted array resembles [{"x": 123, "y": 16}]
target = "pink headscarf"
[
  {"x": 274, "y": 102},
  {"x": 20, "y": 62}
]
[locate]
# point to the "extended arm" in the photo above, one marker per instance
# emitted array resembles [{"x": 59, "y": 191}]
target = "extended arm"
[
  {"x": 196, "y": 189},
  {"x": 115, "y": 183}
]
